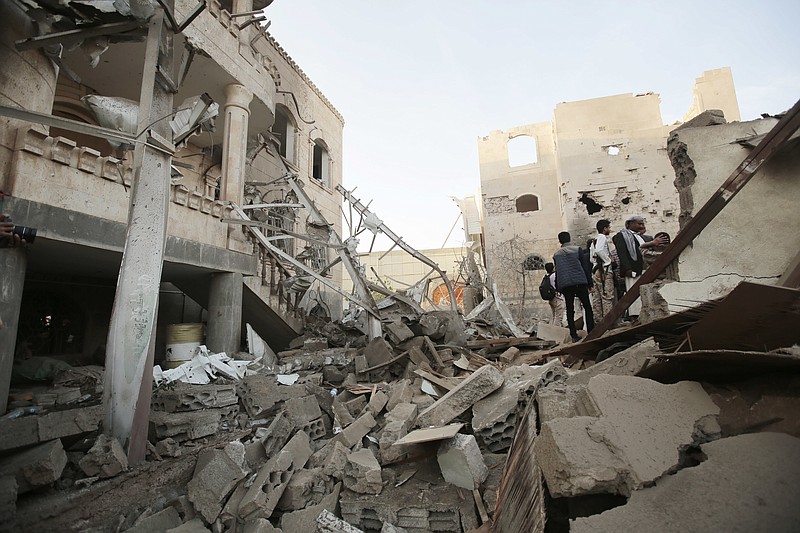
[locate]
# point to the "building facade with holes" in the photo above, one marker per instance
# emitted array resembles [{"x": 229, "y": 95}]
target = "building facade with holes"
[
  {"x": 75, "y": 188},
  {"x": 603, "y": 158}
]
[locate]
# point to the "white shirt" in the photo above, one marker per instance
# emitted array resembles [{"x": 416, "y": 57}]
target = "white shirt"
[{"x": 600, "y": 249}]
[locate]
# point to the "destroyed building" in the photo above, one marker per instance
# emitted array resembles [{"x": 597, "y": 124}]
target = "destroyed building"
[
  {"x": 400, "y": 419},
  {"x": 599, "y": 158}
]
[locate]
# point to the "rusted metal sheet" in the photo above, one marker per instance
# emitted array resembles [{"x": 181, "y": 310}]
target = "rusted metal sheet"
[{"x": 772, "y": 142}]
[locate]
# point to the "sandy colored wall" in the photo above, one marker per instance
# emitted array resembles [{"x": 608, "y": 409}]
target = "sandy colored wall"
[{"x": 757, "y": 235}]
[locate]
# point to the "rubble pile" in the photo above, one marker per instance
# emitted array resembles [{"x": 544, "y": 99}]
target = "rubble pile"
[{"x": 428, "y": 429}]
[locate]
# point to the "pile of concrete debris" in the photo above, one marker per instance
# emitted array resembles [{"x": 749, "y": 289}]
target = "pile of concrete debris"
[{"x": 439, "y": 425}]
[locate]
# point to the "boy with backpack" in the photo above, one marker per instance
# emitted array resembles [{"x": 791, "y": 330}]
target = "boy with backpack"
[{"x": 547, "y": 290}]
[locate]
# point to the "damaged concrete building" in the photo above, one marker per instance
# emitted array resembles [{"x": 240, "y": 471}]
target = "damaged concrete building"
[
  {"x": 599, "y": 158},
  {"x": 75, "y": 187},
  {"x": 400, "y": 419}
]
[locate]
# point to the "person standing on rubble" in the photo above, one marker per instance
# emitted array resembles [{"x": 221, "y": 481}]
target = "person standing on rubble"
[
  {"x": 556, "y": 302},
  {"x": 603, "y": 291},
  {"x": 574, "y": 278},
  {"x": 629, "y": 242}
]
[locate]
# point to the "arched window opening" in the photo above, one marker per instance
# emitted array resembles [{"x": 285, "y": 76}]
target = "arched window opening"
[
  {"x": 321, "y": 163},
  {"x": 522, "y": 151},
  {"x": 284, "y": 129},
  {"x": 527, "y": 203}
]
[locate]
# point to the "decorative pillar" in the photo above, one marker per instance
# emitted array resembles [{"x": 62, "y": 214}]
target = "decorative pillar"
[
  {"x": 234, "y": 143},
  {"x": 224, "y": 331}
]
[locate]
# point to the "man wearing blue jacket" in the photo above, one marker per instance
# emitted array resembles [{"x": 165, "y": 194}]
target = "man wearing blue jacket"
[{"x": 574, "y": 278}]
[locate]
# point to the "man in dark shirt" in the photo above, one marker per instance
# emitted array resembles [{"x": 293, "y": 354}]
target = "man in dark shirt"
[{"x": 573, "y": 278}]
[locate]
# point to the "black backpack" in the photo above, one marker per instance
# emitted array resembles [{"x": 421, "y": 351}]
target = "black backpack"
[{"x": 546, "y": 289}]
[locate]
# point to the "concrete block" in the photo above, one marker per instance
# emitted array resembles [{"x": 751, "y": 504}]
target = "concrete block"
[
  {"x": 494, "y": 418},
  {"x": 35, "y": 467},
  {"x": 482, "y": 382},
  {"x": 277, "y": 433},
  {"x": 356, "y": 405},
  {"x": 461, "y": 462},
  {"x": 70, "y": 422},
  {"x": 307, "y": 487},
  {"x": 189, "y": 425},
  {"x": 400, "y": 391},
  {"x": 315, "y": 429},
  {"x": 416, "y": 505},
  {"x": 300, "y": 448},
  {"x": 389, "y": 528},
  {"x": 328, "y": 522},
  {"x": 306, "y": 519},
  {"x": 8, "y": 498},
  {"x": 377, "y": 402},
  {"x": 333, "y": 375},
  {"x": 744, "y": 484},
  {"x": 336, "y": 461},
  {"x": 262, "y": 396},
  {"x": 549, "y": 332},
  {"x": 106, "y": 458},
  {"x": 215, "y": 476},
  {"x": 363, "y": 472},
  {"x": 397, "y": 332},
  {"x": 625, "y": 363},
  {"x": 509, "y": 355},
  {"x": 341, "y": 413},
  {"x": 400, "y": 421},
  {"x": 163, "y": 520},
  {"x": 302, "y": 410},
  {"x": 168, "y": 448},
  {"x": 377, "y": 352},
  {"x": 495, "y": 463},
  {"x": 261, "y": 498},
  {"x": 188, "y": 397},
  {"x": 564, "y": 401},
  {"x": 356, "y": 431}
]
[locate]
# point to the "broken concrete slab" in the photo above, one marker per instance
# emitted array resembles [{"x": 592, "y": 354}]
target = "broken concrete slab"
[
  {"x": 399, "y": 421},
  {"x": 625, "y": 363},
  {"x": 303, "y": 409},
  {"x": 482, "y": 382},
  {"x": 564, "y": 401},
  {"x": 431, "y": 434},
  {"x": 362, "y": 472},
  {"x": 356, "y": 431},
  {"x": 745, "y": 484},
  {"x": 261, "y": 396},
  {"x": 461, "y": 462},
  {"x": 215, "y": 476},
  {"x": 168, "y": 448},
  {"x": 35, "y": 467},
  {"x": 576, "y": 460},
  {"x": 401, "y": 391},
  {"x": 277, "y": 433},
  {"x": 377, "y": 402},
  {"x": 378, "y": 352},
  {"x": 106, "y": 458},
  {"x": 643, "y": 428},
  {"x": 18, "y": 432},
  {"x": 67, "y": 423},
  {"x": 187, "y": 397},
  {"x": 550, "y": 332},
  {"x": 397, "y": 332},
  {"x": 341, "y": 413},
  {"x": 389, "y": 528},
  {"x": 306, "y": 487}
]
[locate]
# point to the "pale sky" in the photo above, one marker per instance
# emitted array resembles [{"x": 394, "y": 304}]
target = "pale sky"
[{"x": 418, "y": 81}]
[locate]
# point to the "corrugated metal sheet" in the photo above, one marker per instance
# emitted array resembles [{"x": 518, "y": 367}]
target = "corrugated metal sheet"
[{"x": 520, "y": 496}]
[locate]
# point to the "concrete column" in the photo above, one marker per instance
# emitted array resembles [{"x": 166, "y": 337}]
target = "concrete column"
[
  {"x": 234, "y": 142},
  {"x": 224, "y": 330},
  {"x": 12, "y": 280}
]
